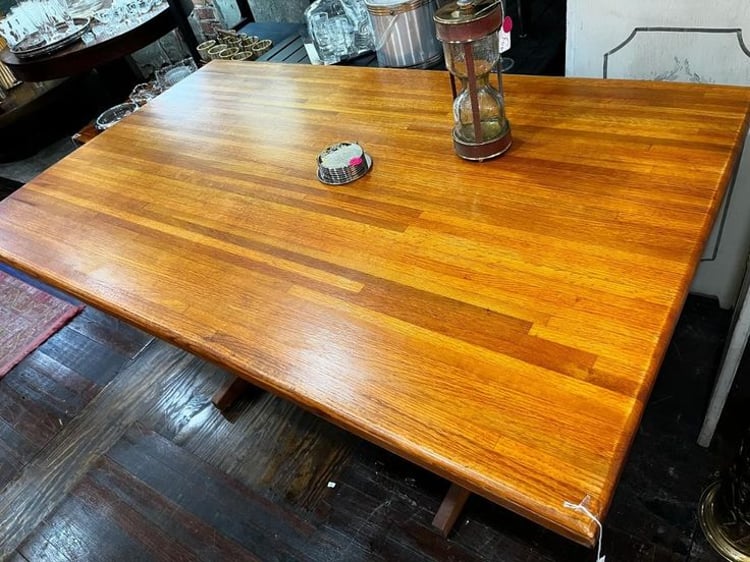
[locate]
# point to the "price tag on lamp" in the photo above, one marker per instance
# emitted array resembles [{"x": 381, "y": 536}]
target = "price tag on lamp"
[{"x": 505, "y": 34}]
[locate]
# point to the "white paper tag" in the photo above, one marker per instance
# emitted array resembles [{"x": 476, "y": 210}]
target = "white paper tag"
[
  {"x": 504, "y": 41},
  {"x": 505, "y": 34}
]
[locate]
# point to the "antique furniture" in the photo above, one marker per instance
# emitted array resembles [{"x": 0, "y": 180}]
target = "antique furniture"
[
  {"x": 81, "y": 57},
  {"x": 501, "y": 324}
]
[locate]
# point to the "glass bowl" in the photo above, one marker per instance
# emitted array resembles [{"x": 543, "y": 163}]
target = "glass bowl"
[
  {"x": 114, "y": 115},
  {"x": 168, "y": 76},
  {"x": 143, "y": 93}
]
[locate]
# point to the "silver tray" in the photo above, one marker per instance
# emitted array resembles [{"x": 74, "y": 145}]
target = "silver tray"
[{"x": 36, "y": 45}]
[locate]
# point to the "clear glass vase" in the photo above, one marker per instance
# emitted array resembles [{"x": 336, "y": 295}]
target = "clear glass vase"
[{"x": 340, "y": 29}]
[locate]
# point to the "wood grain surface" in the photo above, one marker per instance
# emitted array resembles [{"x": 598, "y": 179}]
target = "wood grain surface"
[{"x": 499, "y": 323}]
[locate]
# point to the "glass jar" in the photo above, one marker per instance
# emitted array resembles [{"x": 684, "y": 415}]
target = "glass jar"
[{"x": 339, "y": 29}]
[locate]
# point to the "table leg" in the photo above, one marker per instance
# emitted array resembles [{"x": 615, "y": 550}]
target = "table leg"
[
  {"x": 450, "y": 509},
  {"x": 731, "y": 362},
  {"x": 229, "y": 392},
  {"x": 180, "y": 10}
]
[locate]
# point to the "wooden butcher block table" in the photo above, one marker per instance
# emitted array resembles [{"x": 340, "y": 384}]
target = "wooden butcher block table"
[{"x": 498, "y": 323}]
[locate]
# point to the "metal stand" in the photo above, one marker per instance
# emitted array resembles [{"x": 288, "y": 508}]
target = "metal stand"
[
  {"x": 724, "y": 512},
  {"x": 739, "y": 333}
]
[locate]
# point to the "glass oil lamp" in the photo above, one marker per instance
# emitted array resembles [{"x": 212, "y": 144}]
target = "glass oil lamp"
[{"x": 469, "y": 31}]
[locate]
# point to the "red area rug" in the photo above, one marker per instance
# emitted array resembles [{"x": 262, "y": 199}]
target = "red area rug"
[{"x": 28, "y": 316}]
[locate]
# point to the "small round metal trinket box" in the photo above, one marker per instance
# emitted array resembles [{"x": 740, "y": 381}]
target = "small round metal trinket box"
[{"x": 342, "y": 163}]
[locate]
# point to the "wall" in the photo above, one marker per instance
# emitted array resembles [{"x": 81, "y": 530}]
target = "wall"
[
  {"x": 682, "y": 40},
  {"x": 279, "y": 10},
  {"x": 596, "y": 26}
]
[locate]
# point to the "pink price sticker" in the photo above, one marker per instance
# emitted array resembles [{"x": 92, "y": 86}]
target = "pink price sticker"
[
  {"x": 356, "y": 161},
  {"x": 507, "y": 24}
]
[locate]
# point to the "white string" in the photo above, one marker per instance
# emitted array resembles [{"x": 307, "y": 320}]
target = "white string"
[{"x": 583, "y": 509}]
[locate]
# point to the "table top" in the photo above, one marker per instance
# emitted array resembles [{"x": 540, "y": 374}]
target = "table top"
[
  {"x": 80, "y": 57},
  {"x": 499, "y": 323}
]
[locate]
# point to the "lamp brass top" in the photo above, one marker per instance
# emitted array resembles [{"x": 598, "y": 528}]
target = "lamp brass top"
[{"x": 463, "y": 21}]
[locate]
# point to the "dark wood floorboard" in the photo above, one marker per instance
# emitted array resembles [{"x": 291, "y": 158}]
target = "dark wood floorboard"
[
  {"x": 15, "y": 450},
  {"x": 110, "y": 332},
  {"x": 67, "y": 536},
  {"x": 44, "y": 380},
  {"x": 156, "y": 512},
  {"x": 46, "y": 480},
  {"x": 263, "y": 527},
  {"x": 38, "y": 399},
  {"x": 75, "y": 350},
  {"x": 271, "y": 444}
]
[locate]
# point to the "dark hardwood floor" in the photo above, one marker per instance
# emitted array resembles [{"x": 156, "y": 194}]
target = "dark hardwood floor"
[{"x": 110, "y": 449}]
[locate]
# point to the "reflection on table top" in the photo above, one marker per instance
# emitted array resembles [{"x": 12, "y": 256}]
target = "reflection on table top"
[
  {"x": 500, "y": 324},
  {"x": 103, "y": 44}
]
